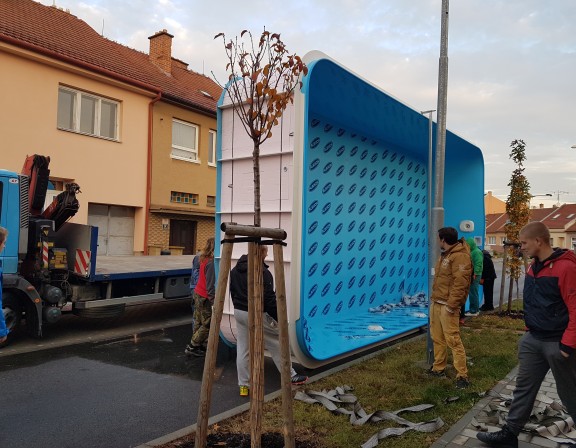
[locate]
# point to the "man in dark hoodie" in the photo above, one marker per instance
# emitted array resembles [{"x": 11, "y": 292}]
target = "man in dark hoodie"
[
  {"x": 550, "y": 342},
  {"x": 239, "y": 293}
]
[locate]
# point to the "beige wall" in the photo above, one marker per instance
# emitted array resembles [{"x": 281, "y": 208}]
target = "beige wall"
[
  {"x": 108, "y": 172},
  {"x": 493, "y": 205},
  {"x": 170, "y": 174}
]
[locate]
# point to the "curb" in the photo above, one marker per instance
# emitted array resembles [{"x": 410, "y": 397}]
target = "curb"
[
  {"x": 271, "y": 396},
  {"x": 457, "y": 429}
]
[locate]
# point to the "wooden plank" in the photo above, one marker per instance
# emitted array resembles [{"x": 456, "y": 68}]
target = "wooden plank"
[
  {"x": 212, "y": 349},
  {"x": 127, "y": 265},
  {"x": 288, "y": 428}
]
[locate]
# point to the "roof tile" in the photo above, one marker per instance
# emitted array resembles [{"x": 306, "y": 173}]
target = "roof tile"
[{"x": 49, "y": 28}]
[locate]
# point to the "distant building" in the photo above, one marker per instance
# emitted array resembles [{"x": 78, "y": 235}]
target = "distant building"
[
  {"x": 493, "y": 205},
  {"x": 560, "y": 220}
]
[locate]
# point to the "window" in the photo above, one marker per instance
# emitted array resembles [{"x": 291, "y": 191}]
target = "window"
[
  {"x": 212, "y": 148},
  {"x": 184, "y": 141},
  {"x": 183, "y": 198},
  {"x": 573, "y": 243},
  {"x": 87, "y": 114},
  {"x": 211, "y": 201},
  {"x": 491, "y": 240},
  {"x": 502, "y": 240},
  {"x": 552, "y": 242}
]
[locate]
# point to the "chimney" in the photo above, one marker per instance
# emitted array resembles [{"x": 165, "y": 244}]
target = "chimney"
[
  {"x": 541, "y": 205},
  {"x": 161, "y": 50},
  {"x": 177, "y": 63}
]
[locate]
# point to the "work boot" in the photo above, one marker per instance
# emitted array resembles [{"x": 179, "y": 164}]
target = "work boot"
[{"x": 500, "y": 439}]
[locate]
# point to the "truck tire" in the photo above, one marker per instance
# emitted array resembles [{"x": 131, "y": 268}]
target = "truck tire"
[
  {"x": 104, "y": 312},
  {"x": 12, "y": 309}
]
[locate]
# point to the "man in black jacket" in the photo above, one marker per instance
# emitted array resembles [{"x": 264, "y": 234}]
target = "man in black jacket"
[
  {"x": 239, "y": 293},
  {"x": 487, "y": 282}
]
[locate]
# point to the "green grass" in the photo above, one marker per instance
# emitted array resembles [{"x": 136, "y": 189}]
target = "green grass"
[{"x": 396, "y": 379}]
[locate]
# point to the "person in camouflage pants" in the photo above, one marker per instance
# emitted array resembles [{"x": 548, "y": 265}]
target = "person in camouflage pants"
[{"x": 203, "y": 300}]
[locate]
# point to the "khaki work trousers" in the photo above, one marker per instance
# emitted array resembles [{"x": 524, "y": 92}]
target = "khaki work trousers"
[{"x": 445, "y": 332}]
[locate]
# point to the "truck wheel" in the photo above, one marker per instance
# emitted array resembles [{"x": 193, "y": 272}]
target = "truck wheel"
[
  {"x": 104, "y": 312},
  {"x": 12, "y": 309}
]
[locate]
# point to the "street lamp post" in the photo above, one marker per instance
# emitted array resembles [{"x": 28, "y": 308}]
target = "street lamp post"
[{"x": 431, "y": 236}]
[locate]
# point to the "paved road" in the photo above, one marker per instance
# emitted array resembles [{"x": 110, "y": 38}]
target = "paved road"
[{"x": 118, "y": 394}]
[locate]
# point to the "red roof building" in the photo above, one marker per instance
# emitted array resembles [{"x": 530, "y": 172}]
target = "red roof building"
[{"x": 137, "y": 131}]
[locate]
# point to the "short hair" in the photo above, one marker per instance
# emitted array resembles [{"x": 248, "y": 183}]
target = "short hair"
[
  {"x": 536, "y": 229},
  {"x": 3, "y": 234},
  {"x": 448, "y": 234}
]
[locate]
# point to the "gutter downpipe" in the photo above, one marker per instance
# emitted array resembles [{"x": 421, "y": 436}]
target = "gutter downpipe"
[{"x": 149, "y": 169}]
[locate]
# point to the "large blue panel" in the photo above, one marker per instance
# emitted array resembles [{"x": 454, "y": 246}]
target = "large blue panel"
[{"x": 365, "y": 212}]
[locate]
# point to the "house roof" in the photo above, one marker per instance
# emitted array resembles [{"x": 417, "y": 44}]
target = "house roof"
[
  {"x": 495, "y": 221},
  {"x": 57, "y": 33},
  {"x": 563, "y": 216}
]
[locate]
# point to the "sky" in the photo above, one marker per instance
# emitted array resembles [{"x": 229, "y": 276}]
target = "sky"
[{"x": 511, "y": 63}]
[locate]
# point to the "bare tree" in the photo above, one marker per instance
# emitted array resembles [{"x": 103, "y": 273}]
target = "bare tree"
[
  {"x": 261, "y": 82},
  {"x": 518, "y": 209}
]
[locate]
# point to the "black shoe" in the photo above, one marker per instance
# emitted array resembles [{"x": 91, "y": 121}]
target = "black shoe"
[
  {"x": 436, "y": 373},
  {"x": 462, "y": 383},
  {"x": 486, "y": 308},
  {"x": 195, "y": 351},
  {"x": 500, "y": 439}
]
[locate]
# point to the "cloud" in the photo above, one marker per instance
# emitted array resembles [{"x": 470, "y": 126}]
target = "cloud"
[{"x": 512, "y": 63}]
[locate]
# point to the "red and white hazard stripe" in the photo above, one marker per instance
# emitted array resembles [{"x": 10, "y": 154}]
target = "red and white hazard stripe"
[
  {"x": 82, "y": 263},
  {"x": 44, "y": 254}
]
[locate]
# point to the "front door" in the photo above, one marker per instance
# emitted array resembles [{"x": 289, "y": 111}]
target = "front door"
[{"x": 183, "y": 233}]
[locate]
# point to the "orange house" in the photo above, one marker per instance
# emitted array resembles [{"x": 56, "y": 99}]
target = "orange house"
[{"x": 136, "y": 131}]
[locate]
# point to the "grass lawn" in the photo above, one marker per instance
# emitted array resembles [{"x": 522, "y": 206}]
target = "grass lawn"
[{"x": 396, "y": 379}]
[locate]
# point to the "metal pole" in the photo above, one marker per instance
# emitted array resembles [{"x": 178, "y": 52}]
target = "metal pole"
[
  {"x": 438, "y": 210},
  {"x": 431, "y": 236},
  {"x": 437, "y": 218}
]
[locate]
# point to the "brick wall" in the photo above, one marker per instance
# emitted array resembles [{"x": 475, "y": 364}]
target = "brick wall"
[{"x": 159, "y": 236}]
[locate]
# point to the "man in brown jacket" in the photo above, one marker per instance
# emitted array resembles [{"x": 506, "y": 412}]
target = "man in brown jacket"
[{"x": 452, "y": 276}]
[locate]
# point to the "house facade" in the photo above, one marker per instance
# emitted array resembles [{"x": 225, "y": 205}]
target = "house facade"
[
  {"x": 132, "y": 129},
  {"x": 560, "y": 220}
]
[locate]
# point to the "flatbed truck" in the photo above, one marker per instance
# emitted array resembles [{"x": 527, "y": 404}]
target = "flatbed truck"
[{"x": 51, "y": 266}]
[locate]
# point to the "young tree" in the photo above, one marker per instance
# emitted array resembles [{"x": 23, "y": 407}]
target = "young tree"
[
  {"x": 260, "y": 85},
  {"x": 518, "y": 210}
]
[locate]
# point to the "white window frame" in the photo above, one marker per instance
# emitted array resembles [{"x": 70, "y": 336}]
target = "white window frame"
[
  {"x": 573, "y": 246},
  {"x": 77, "y": 113},
  {"x": 492, "y": 241},
  {"x": 212, "y": 148},
  {"x": 193, "y": 151}
]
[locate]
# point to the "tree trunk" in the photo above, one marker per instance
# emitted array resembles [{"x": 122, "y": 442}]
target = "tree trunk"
[
  {"x": 503, "y": 279},
  {"x": 256, "y": 163}
]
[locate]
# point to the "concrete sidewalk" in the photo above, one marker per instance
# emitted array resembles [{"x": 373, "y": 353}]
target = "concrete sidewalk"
[{"x": 463, "y": 433}]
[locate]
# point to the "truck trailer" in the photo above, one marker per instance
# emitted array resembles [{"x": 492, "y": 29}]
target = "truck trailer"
[{"x": 51, "y": 266}]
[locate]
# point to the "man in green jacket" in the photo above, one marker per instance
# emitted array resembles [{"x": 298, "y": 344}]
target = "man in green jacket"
[
  {"x": 478, "y": 263},
  {"x": 449, "y": 291}
]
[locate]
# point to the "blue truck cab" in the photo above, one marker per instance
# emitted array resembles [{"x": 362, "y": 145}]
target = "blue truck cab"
[{"x": 10, "y": 219}]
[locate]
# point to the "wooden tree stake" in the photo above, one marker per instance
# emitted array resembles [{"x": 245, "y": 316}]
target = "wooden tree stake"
[
  {"x": 212, "y": 350},
  {"x": 257, "y": 357},
  {"x": 288, "y": 429}
]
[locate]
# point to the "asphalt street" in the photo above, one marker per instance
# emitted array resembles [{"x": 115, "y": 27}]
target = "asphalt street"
[
  {"x": 113, "y": 394},
  {"x": 115, "y": 384}
]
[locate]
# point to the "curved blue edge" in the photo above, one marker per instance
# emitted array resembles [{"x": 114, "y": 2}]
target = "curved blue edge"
[{"x": 364, "y": 212}]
